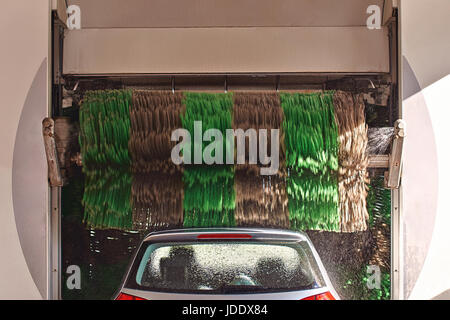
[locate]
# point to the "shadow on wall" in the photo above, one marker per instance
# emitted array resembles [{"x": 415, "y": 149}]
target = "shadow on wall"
[
  {"x": 420, "y": 199},
  {"x": 443, "y": 296},
  {"x": 29, "y": 180}
]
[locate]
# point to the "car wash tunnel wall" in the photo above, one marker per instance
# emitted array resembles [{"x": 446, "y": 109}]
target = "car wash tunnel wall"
[{"x": 120, "y": 182}]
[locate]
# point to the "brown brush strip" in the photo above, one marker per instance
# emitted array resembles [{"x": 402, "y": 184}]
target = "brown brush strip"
[
  {"x": 154, "y": 115},
  {"x": 259, "y": 110},
  {"x": 157, "y": 200},
  {"x": 260, "y": 200},
  {"x": 382, "y": 253},
  {"x": 353, "y": 161},
  {"x": 157, "y": 188}
]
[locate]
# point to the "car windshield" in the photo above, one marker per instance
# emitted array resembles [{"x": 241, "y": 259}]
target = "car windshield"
[{"x": 226, "y": 267}]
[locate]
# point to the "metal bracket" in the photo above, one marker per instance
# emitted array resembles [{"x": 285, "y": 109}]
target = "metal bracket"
[
  {"x": 54, "y": 172},
  {"x": 378, "y": 161},
  {"x": 392, "y": 177}
]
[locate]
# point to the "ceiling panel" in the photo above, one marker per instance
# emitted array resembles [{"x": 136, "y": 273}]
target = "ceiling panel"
[
  {"x": 226, "y": 50},
  {"x": 223, "y": 13}
]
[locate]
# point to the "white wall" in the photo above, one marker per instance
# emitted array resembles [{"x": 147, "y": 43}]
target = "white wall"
[
  {"x": 426, "y": 82},
  {"x": 434, "y": 278},
  {"x": 24, "y": 27},
  {"x": 425, "y": 38}
]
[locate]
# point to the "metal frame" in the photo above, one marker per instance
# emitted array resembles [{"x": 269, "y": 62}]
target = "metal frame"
[
  {"x": 397, "y": 271},
  {"x": 55, "y": 247},
  {"x": 54, "y": 222},
  {"x": 55, "y": 102}
]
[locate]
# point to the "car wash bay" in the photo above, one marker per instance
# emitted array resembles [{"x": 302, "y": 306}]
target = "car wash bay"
[{"x": 125, "y": 87}]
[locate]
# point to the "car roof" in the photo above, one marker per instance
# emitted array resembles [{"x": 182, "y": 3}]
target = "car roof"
[{"x": 256, "y": 233}]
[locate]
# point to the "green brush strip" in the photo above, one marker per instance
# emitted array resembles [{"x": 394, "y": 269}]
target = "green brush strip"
[
  {"x": 313, "y": 201},
  {"x": 378, "y": 202},
  {"x": 213, "y": 110},
  {"x": 211, "y": 187},
  {"x": 311, "y": 132},
  {"x": 311, "y": 139},
  {"x": 379, "y": 208},
  {"x": 105, "y": 131},
  {"x": 209, "y": 196}
]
